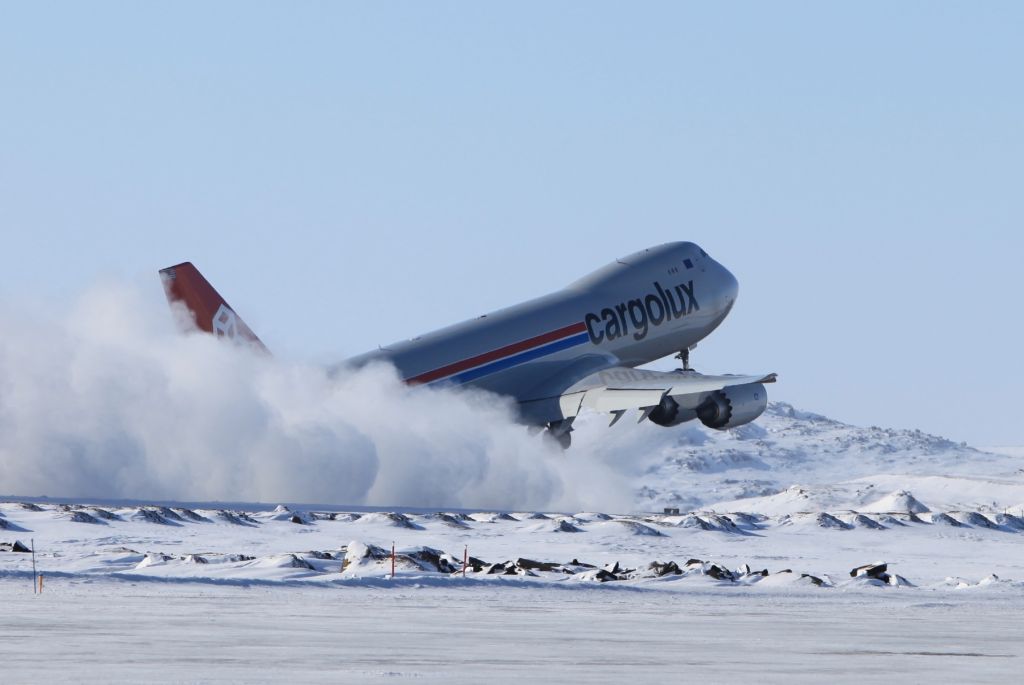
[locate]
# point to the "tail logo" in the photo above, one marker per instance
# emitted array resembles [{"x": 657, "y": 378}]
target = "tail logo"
[{"x": 225, "y": 323}]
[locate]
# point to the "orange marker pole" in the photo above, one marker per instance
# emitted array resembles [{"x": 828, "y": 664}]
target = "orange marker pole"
[
  {"x": 465, "y": 559},
  {"x": 40, "y": 583}
]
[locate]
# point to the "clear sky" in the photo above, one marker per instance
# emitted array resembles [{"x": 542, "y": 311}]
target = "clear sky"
[{"x": 352, "y": 174}]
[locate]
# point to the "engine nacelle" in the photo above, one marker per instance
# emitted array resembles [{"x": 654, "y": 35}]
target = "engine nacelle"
[
  {"x": 733, "y": 406},
  {"x": 668, "y": 413}
]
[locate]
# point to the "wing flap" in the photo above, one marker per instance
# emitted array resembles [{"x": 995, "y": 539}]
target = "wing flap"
[{"x": 618, "y": 389}]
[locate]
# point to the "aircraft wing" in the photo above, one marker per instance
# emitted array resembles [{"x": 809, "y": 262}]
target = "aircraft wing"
[{"x": 619, "y": 389}]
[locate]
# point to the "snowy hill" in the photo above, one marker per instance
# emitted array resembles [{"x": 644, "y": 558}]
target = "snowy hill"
[{"x": 791, "y": 460}]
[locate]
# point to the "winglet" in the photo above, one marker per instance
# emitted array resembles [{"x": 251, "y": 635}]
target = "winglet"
[{"x": 210, "y": 312}]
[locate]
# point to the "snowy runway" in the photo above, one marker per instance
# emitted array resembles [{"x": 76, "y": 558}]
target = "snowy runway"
[{"x": 120, "y": 631}]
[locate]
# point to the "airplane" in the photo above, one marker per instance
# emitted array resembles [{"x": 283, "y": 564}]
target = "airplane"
[{"x": 574, "y": 349}]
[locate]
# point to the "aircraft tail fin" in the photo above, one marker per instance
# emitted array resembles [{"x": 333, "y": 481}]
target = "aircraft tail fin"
[{"x": 210, "y": 312}]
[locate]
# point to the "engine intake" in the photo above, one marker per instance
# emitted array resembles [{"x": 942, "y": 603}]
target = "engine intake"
[{"x": 733, "y": 406}]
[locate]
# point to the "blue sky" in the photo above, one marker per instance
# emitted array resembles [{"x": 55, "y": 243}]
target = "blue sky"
[{"x": 352, "y": 174}]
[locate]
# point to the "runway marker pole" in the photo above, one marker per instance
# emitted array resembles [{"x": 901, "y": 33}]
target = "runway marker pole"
[
  {"x": 40, "y": 583},
  {"x": 392, "y": 560},
  {"x": 34, "y": 566}
]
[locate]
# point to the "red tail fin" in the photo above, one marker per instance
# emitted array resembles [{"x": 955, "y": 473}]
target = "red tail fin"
[{"x": 211, "y": 313}]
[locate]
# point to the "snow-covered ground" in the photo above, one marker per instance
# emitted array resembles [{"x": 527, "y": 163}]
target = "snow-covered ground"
[
  {"x": 750, "y": 581},
  {"x": 501, "y": 632}
]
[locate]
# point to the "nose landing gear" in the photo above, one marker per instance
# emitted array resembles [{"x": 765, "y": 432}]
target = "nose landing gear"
[{"x": 684, "y": 357}]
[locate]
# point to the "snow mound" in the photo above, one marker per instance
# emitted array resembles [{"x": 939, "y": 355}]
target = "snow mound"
[
  {"x": 899, "y": 501},
  {"x": 390, "y": 518},
  {"x": 632, "y": 527}
]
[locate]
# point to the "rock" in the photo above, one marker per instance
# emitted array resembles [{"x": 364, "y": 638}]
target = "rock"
[
  {"x": 814, "y": 579},
  {"x": 429, "y": 559},
  {"x": 391, "y": 518},
  {"x": 191, "y": 515},
  {"x": 15, "y": 546},
  {"x": 946, "y": 520},
  {"x": 719, "y": 572},
  {"x": 82, "y": 517},
  {"x": 867, "y": 522},
  {"x": 974, "y": 518},
  {"x": 450, "y": 520},
  {"x": 531, "y": 565},
  {"x": 105, "y": 514},
  {"x": 236, "y": 518},
  {"x": 668, "y": 568},
  {"x": 565, "y": 527},
  {"x": 1010, "y": 521},
  {"x": 871, "y": 570},
  {"x": 150, "y": 516},
  {"x": 692, "y": 521},
  {"x": 29, "y": 506},
  {"x": 825, "y": 520}
]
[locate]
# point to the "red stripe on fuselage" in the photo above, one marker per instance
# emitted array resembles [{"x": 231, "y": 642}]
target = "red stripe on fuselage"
[{"x": 456, "y": 367}]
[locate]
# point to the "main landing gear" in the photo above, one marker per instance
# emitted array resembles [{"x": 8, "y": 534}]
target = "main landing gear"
[{"x": 561, "y": 431}]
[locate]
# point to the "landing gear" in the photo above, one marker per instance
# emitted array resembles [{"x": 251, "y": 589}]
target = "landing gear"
[
  {"x": 561, "y": 432},
  {"x": 684, "y": 357}
]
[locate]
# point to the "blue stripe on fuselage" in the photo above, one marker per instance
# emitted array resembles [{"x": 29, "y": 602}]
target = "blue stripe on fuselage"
[{"x": 517, "y": 359}]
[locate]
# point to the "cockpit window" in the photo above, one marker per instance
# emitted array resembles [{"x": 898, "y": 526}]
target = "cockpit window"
[{"x": 688, "y": 264}]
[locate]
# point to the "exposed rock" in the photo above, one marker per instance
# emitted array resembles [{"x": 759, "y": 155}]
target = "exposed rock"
[
  {"x": 1009, "y": 521},
  {"x": 392, "y": 519},
  {"x": 875, "y": 570},
  {"x": 429, "y": 559},
  {"x": 191, "y": 515},
  {"x": 15, "y": 546},
  {"x": 531, "y": 565},
  {"x": 151, "y": 516},
  {"x": 29, "y": 506},
  {"x": 826, "y": 520},
  {"x": 693, "y": 521},
  {"x": 565, "y": 527},
  {"x": 719, "y": 572},
  {"x": 105, "y": 514},
  {"x": 169, "y": 514},
  {"x": 863, "y": 521},
  {"x": 946, "y": 520},
  {"x": 449, "y": 520},
  {"x": 83, "y": 517},
  {"x": 236, "y": 518},
  {"x": 974, "y": 518},
  {"x": 668, "y": 568}
]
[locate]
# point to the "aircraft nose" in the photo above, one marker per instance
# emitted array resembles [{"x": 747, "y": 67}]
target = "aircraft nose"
[{"x": 730, "y": 288}]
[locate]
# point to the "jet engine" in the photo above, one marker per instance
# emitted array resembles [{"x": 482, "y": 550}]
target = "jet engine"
[
  {"x": 733, "y": 406},
  {"x": 722, "y": 409}
]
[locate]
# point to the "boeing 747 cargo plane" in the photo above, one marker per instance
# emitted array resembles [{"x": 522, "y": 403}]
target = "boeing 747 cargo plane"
[{"x": 573, "y": 349}]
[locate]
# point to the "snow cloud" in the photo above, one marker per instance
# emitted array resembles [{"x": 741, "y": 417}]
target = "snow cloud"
[{"x": 107, "y": 400}]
